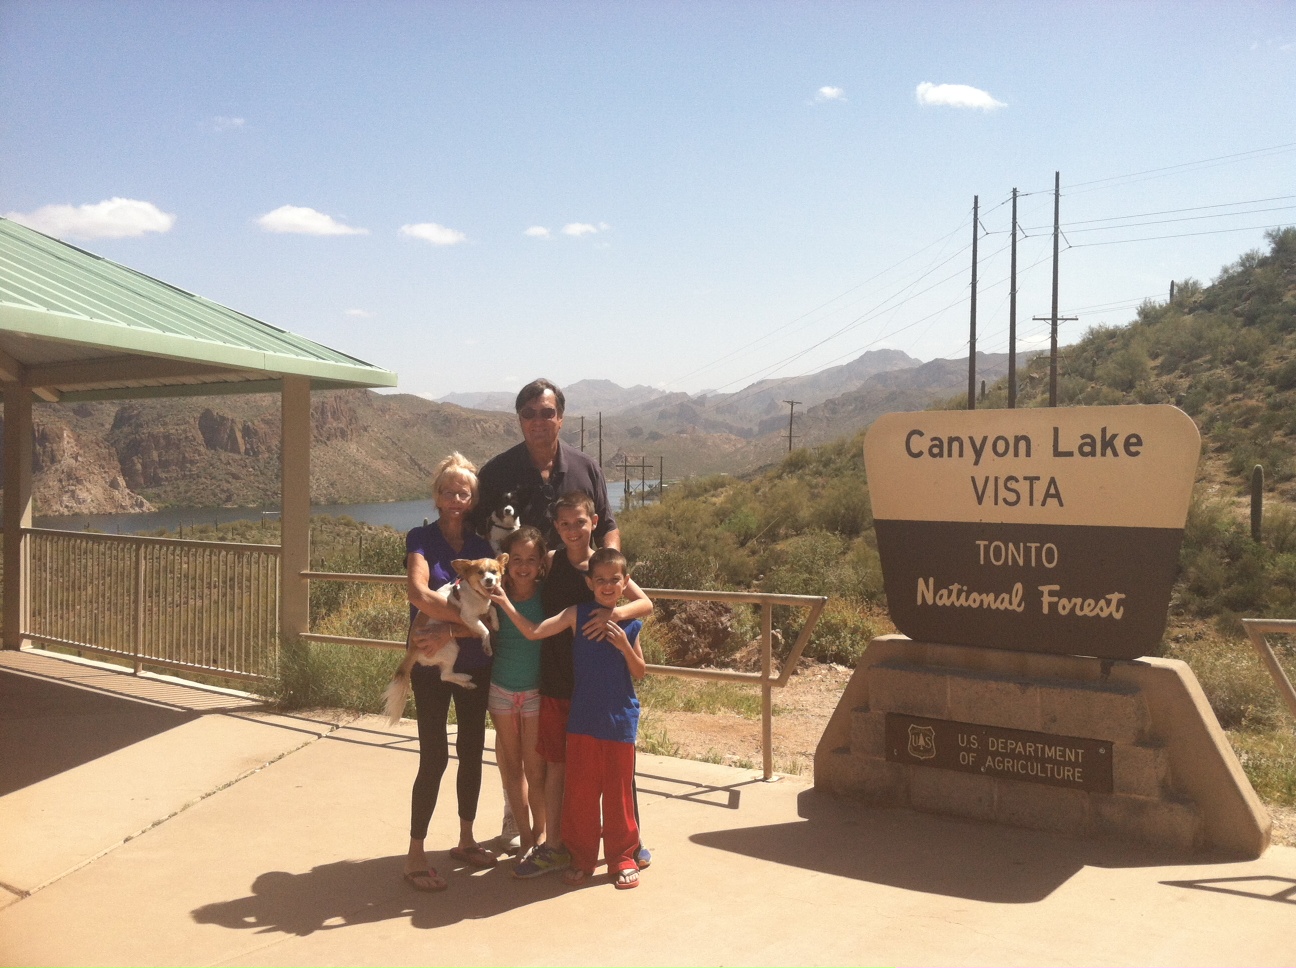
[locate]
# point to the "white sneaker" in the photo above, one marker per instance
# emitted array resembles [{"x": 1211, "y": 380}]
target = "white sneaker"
[{"x": 510, "y": 838}]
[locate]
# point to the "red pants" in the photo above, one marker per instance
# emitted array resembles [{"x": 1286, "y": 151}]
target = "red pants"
[{"x": 600, "y": 770}]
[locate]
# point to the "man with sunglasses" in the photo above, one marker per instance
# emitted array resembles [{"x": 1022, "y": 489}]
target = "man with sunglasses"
[
  {"x": 542, "y": 469},
  {"x": 537, "y": 472}
]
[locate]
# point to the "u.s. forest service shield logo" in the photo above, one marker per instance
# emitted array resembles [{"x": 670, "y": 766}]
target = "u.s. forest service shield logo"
[{"x": 922, "y": 742}]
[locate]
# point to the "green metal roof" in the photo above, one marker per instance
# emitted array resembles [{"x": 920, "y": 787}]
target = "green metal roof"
[{"x": 80, "y": 327}]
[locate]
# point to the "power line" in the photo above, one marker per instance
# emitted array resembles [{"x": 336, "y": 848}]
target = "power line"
[
  {"x": 905, "y": 294},
  {"x": 1097, "y": 184},
  {"x": 792, "y": 322},
  {"x": 1167, "y": 221},
  {"x": 1192, "y": 208},
  {"x": 1182, "y": 235}
]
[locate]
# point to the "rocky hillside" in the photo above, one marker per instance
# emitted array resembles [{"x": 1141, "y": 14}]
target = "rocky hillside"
[{"x": 203, "y": 452}]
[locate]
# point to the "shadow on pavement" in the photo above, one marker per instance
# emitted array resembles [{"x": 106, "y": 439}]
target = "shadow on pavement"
[
  {"x": 1263, "y": 887},
  {"x": 348, "y": 893},
  {"x": 927, "y": 853},
  {"x": 47, "y": 727}
]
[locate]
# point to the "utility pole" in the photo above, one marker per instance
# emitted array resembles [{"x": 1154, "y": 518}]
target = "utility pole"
[
  {"x": 1012, "y": 312},
  {"x": 582, "y": 433},
  {"x": 971, "y": 398},
  {"x": 600, "y": 440},
  {"x": 1172, "y": 290},
  {"x": 1053, "y": 318},
  {"x": 792, "y": 404},
  {"x": 1057, "y": 231}
]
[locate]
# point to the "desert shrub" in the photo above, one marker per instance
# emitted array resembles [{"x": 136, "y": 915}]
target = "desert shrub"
[
  {"x": 1280, "y": 527},
  {"x": 743, "y": 523},
  {"x": 1126, "y": 369},
  {"x": 343, "y": 546},
  {"x": 842, "y": 508},
  {"x": 782, "y": 508},
  {"x": 1235, "y": 682},
  {"x": 683, "y": 567},
  {"x": 843, "y": 632},
  {"x": 1269, "y": 760},
  {"x": 315, "y": 675}
]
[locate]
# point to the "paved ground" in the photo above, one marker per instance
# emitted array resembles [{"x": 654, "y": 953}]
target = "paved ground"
[{"x": 145, "y": 822}]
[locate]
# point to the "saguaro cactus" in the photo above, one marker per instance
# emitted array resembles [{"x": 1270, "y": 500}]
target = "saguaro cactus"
[{"x": 1257, "y": 502}]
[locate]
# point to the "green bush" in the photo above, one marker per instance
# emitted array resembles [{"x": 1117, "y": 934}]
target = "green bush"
[
  {"x": 843, "y": 632},
  {"x": 314, "y": 675}
]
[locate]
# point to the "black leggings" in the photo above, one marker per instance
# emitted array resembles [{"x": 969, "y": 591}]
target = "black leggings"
[{"x": 432, "y": 700}]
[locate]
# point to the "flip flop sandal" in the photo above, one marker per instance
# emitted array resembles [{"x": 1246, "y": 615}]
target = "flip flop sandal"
[
  {"x": 474, "y": 856},
  {"x": 415, "y": 878},
  {"x": 575, "y": 877},
  {"x": 626, "y": 879}
]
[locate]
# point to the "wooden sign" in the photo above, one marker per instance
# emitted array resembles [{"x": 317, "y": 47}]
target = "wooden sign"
[
  {"x": 1040, "y": 530},
  {"x": 1015, "y": 754}
]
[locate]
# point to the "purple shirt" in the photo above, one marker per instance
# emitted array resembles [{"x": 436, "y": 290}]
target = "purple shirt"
[{"x": 428, "y": 541}]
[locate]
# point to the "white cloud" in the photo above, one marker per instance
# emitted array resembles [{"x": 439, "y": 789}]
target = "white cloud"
[
  {"x": 957, "y": 96},
  {"x": 361, "y": 313},
  {"x": 434, "y": 233},
  {"x": 221, "y": 123},
  {"x": 584, "y": 228},
  {"x": 305, "y": 221},
  {"x": 116, "y": 218},
  {"x": 830, "y": 94},
  {"x": 538, "y": 232}
]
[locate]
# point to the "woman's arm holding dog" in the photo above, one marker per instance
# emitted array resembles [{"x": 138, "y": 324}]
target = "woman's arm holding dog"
[
  {"x": 566, "y": 619},
  {"x": 426, "y": 599}
]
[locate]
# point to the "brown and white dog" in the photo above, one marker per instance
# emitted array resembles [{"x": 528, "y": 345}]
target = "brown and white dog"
[{"x": 432, "y": 643}]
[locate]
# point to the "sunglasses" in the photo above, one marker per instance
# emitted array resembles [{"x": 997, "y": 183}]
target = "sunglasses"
[{"x": 531, "y": 413}]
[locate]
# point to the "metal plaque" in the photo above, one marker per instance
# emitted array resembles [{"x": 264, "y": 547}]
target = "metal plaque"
[{"x": 1073, "y": 762}]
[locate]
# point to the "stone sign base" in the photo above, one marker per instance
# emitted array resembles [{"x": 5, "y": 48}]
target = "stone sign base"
[{"x": 1115, "y": 748}]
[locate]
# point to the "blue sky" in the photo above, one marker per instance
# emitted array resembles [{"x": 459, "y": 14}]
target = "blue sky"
[{"x": 690, "y": 195}]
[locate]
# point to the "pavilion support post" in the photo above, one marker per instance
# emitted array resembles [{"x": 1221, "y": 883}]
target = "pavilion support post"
[
  {"x": 17, "y": 510},
  {"x": 294, "y": 521}
]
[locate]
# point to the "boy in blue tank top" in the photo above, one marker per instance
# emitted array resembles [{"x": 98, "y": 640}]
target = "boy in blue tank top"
[{"x": 602, "y": 726}]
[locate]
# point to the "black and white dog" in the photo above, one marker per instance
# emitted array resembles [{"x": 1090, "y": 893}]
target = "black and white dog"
[{"x": 504, "y": 520}]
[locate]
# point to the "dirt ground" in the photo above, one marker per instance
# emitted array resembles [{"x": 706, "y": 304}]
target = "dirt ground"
[{"x": 801, "y": 711}]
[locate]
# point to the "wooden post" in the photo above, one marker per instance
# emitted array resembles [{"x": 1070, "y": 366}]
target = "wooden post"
[
  {"x": 294, "y": 521},
  {"x": 17, "y": 511}
]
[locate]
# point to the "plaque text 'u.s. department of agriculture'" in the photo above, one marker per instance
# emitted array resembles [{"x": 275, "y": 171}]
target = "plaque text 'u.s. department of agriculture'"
[{"x": 1015, "y": 754}]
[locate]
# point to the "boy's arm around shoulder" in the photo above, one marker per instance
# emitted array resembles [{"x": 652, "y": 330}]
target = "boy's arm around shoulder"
[{"x": 638, "y": 605}]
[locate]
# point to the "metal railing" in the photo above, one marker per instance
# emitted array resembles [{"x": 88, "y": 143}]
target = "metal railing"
[
  {"x": 768, "y": 678},
  {"x": 1256, "y": 630},
  {"x": 201, "y": 606}
]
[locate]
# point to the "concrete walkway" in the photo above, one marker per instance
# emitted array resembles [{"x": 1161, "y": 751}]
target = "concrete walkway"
[{"x": 146, "y": 822}]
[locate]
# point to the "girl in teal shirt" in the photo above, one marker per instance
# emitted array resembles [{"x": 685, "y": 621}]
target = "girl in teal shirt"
[{"x": 514, "y": 700}]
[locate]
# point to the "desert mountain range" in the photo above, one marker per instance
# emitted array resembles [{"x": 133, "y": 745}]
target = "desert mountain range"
[{"x": 224, "y": 451}]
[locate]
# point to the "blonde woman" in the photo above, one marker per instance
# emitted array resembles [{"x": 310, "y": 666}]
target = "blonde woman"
[{"x": 429, "y": 550}]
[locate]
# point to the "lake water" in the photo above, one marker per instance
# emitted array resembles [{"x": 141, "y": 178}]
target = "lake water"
[{"x": 399, "y": 515}]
